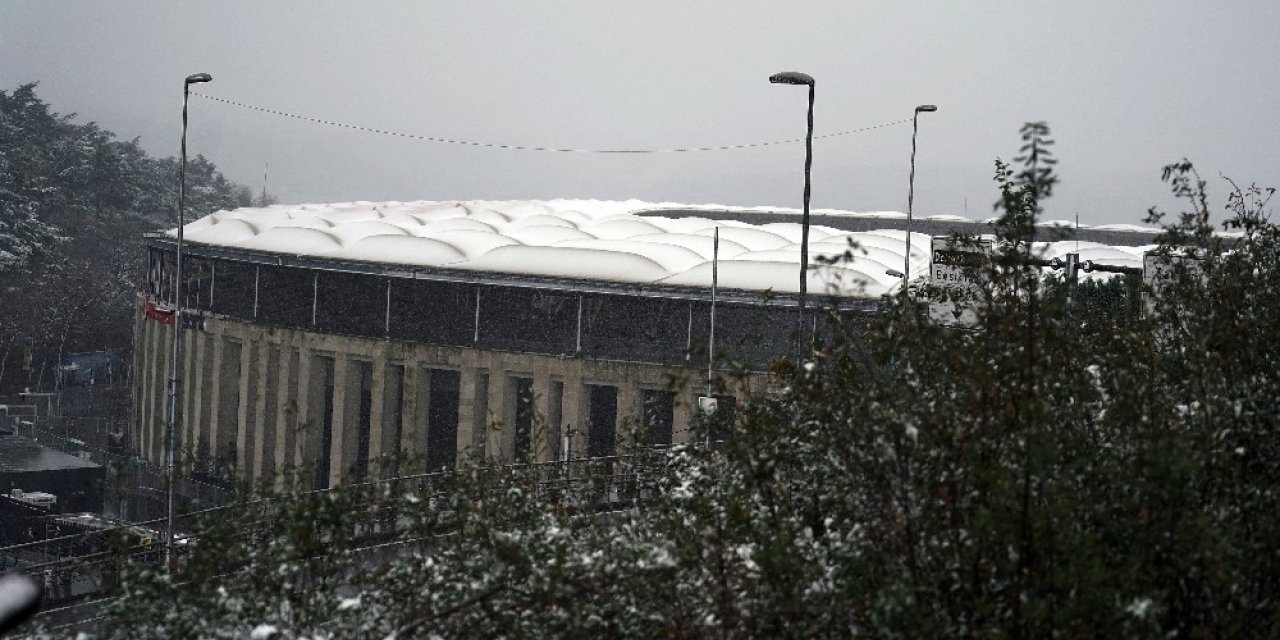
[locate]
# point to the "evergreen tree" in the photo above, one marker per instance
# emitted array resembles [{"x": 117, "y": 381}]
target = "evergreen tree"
[{"x": 74, "y": 204}]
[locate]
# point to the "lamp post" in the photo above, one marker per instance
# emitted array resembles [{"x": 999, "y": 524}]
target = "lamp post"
[
  {"x": 911, "y": 189},
  {"x": 172, "y": 422},
  {"x": 795, "y": 77}
]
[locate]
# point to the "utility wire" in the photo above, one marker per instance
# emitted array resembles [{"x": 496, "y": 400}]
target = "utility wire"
[{"x": 517, "y": 147}]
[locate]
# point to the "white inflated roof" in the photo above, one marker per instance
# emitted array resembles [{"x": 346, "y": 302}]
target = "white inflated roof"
[{"x": 589, "y": 240}]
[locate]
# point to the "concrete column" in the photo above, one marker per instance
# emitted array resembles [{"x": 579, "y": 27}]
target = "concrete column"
[
  {"x": 392, "y": 423},
  {"x": 418, "y": 438},
  {"x": 160, "y": 415},
  {"x": 469, "y": 420},
  {"x": 260, "y": 425},
  {"x": 499, "y": 447},
  {"x": 215, "y": 397},
  {"x": 245, "y": 411},
  {"x": 413, "y": 411},
  {"x": 575, "y": 416},
  {"x": 197, "y": 389},
  {"x": 147, "y": 427},
  {"x": 343, "y": 431},
  {"x": 145, "y": 373},
  {"x": 306, "y": 424},
  {"x": 501, "y": 441},
  {"x": 377, "y": 389},
  {"x": 286, "y": 413},
  {"x": 141, "y": 390},
  {"x": 190, "y": 390},
  {"x": 682, "y": 415},
  {"x": 555, "y": 418},
  {"x": 138, "y": 362}
]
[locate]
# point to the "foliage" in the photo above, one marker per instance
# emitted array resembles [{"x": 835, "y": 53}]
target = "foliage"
[
  {"x": 74, "y": 203},
  {"x": 1052, "y": 473}
]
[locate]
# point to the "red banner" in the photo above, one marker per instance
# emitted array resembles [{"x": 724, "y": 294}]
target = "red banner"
[{"x": 161, "y": 312}]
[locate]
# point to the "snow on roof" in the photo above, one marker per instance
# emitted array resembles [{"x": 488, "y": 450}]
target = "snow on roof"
[
  {"x": 594, "y": 240},
  {"x": 568, "y": 262},
  {"x": 1124, "y": 227},
  {"x": 408, "y": 250}
]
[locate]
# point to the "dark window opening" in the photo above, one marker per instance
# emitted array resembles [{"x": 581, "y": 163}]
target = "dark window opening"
[
  {"x": 364, "y": 419},
  {"x": 523, "y": 419},
  {"x": 720, "y": 423},
  {"x": 658, "y": 417},
  {"x": 442, "y": 419},
  {"x": 602, "y": 420},
  {"x": 326, "y": 423},
  {"x": 555, "y": 421}
]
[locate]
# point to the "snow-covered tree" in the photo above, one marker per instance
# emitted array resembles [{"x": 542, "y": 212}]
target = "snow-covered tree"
[
  {"x": 26, "y": 130},
  {"x": 74, "y": 203}
]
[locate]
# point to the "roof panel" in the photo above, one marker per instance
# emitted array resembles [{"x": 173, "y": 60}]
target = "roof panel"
[
  {"x": 407, "y": 250},
  {"x": 568, "y": 262},
  {"x": 543, "y": 235},
  {"x": 672, "y": 257},
  {"x": 703, "y": 245},
  {"x": 586, "y": 239},
  {"x": 295, "y": 240}
]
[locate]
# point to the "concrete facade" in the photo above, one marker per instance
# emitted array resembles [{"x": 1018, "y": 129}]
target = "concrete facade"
[
  {"x": 266, "y": 403},
  {"x": 333, "y": 336}
]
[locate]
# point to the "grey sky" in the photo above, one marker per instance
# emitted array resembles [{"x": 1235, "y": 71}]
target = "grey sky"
[{"x": 1127, "y": 87}]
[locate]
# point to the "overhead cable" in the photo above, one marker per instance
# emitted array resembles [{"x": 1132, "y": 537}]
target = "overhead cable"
[{"x": 517, "y": 147}]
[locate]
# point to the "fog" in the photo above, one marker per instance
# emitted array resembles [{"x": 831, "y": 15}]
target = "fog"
[{"x": 1127, "y": 88}]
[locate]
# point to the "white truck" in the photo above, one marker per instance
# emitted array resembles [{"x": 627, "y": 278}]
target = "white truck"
[{"x": 46, "y": 501}]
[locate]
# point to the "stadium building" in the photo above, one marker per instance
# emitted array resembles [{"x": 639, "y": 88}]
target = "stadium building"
[{"x": 326, "y": 336}]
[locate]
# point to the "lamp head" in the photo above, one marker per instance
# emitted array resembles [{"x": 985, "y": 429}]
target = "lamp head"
[
  {"x": 791, "y": 77},
  {"x": 926, "y": 108},
  {"x": 198, "y": 77}
]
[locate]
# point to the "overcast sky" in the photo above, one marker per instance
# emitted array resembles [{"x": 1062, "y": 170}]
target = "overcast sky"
[{"x": 1126, "y": 86}]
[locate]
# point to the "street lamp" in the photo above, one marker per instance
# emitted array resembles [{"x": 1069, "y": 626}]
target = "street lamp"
[
  {"x": 795, "y": 77},
  {"x": 911, "y": 189},
  {"x": 171, "y": 427}
]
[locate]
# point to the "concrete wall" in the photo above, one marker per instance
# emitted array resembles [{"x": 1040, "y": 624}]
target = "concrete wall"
[{"x": 264, "y": 403}]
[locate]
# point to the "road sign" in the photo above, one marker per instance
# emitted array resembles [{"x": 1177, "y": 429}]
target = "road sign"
[{"x": 953, "y": 278}]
